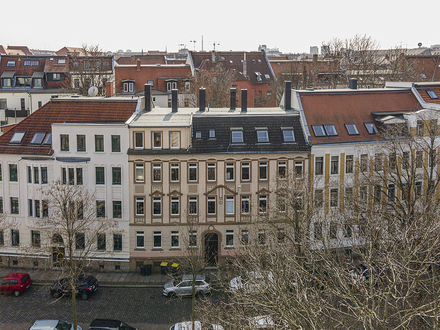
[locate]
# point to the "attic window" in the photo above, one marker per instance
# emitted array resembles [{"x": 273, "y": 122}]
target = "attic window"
[
  {"x": 212, "y": 133},
  {"x": 237, "y": 136},
  {"x": 61, "y": 61},
  {"x": 330, "y": 130},
  {"x": 10, "y": 63},
  {"x": 352, "y": 129},
  {"x": 288, "y": 135},
  {"x": 48, "y": 139},
  {"x": 259, "y": 60},
  {"x": 258, "y": 74},
  {"x": 267, "y": 76},
  {"x": 38, "y": 138},
  {"x": 262, "y": 136},
  {"x": 318, "y": 130},
  {"x": 432, "y": 94},
  {"x": 198, "y": 135},
  {"x": 17, "y": 137},
  {"x": 371, "y": 128}
]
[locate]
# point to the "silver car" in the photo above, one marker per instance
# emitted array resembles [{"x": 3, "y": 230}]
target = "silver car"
[
  {"x": 183, "y": 287},
  {"x": 52, "y": 325},
  {"x": 197, "y": 326}
]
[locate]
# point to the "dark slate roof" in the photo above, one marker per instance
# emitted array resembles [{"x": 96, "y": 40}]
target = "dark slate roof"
[{"x": 249, "y": 123}]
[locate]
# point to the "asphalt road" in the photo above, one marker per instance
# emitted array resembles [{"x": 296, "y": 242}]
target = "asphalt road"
[{"x": 144, "y": 308}]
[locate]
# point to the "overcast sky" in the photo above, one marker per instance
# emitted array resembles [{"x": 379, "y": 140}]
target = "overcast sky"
[{"x": 291, "y": 26}]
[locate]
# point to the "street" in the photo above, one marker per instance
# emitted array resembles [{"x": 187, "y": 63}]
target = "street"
[{"x": 144, "y": 308}]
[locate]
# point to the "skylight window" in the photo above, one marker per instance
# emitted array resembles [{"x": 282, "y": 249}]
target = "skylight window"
[
  {"x": 198, "y": 135},
  {"x": 17, "y": 137},
  {"x": 237, "y": 136},
  {"x": 267, "y": 76},
  {"x": 258, "y": 74},
  {"x": 371, "y": 128},
  {"x": 48, "y": 139},
  {"x": 262, "y": 136},
  {"x": 288, "y": 135},
  {"x": 38, "y": 138},
  {"x": 352, "y": 129},
  {"x": 330, "y": 130},
  {"x": 432, "y": 94},
  {"x": 61, "y": 61},
  {"x": 212, "y": 133},
  {"x": 318, "y": 130}
]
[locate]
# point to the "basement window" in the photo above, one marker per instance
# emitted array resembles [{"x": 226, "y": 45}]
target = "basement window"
[{"x": 432, "y": 94}]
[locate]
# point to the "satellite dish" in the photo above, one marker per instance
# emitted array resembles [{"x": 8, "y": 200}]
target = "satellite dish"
[
  {"x": 93, "y": 91},
  {"x": 419, "y": 44}
]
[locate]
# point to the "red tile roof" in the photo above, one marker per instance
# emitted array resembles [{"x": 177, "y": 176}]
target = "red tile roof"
[
  {"x": 23, "y": 49},
  {"x": 424, "y": 94},
  {"x": 65, "y": 111},
  {"x": 52, "y": 65},
  {"x": 145, "y": 59},
  {"x": 357, "y": 106},
  {"x": 428, "y": 66}
]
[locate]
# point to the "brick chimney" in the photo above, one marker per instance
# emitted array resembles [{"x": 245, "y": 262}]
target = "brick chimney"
[
  {"x": 244, "y": 100},
  {"x": 138, "y": 64},
  {"x": 233, "y": 98},
  {"x": 174, "y": 100},
  {"x": 147, "y": 94},
  {"x": 109, "y": 89}
]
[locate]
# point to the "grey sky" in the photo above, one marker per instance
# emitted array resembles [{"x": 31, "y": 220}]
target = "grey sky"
[{"x": 291, "y": 26}]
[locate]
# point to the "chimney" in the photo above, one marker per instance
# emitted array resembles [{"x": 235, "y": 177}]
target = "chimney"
[
  {"x": 174, "y": 100},
  {"x": 109, "y": 89},
  {"x": 213, "y": 56},
  {"x": 233, "y": 98},
  {"x": 147, "y": 93},
  {"x": 244, "y": 100},
  {"x": 202, "y": 99},
  {"x": 288, "y": 95},
  {"x": 353, "y": 83},
  {"x": 138, "y": 63},
  {"x": 244, "y": 65}
]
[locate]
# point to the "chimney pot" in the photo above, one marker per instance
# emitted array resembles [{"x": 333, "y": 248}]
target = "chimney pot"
[
  {"x": 353, "y": 83},
  {"x": 244, "y": 100},
  {"x": 233, "y": 98},
  {"x": 202, "y": 99},
  {"x": 287, "y": 95},
  {"x": 147, "y": 94},
  {"x": 174, "y": 100}
]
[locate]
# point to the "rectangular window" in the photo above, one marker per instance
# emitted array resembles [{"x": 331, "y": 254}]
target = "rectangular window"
[
  {"x": 174, "y": 175},
  {"x": 282, "y": 170},
  {"x": 419, "y": 131},
  {"x": 157, "y": 140},
  {"x": 347, "y": 231},
  {"x": 378, "y": 162},
  {"x": 261, "y": 237},
  {"x": 174, "y": 239},
  {"x": 71, "y": 172},
  {"x": 299, "y": 169},
  {"x": 229, "y": 238},
  {"x": 175, "y": 205},
  {"x": 36, "y": 175},
  {"x": 419, "y": 159},
  {"x": 37, "y": 208},
  {"x": 281, "y": 203},
  {"x": 229, "y": 171},
  {"x": 319, "y": 165},
  {"x": 192, "y": 205},
  {"x": 140, "y": 206},
  {"x": 79, "y": 176},
  {"x": 157, "y": 240},
  {"x": 138, "y": 140},
  {"x": 116, "y": 143},
  {"x": 101, "y": 242},
  {"x": 237, "y": 136},
  {"x": 174, "y": 140},
  {"x": 99, "y": 143},
  {"x": 13, "y": 173},
  {"x": 80, "y": 241},
  {"x": 15, "y": 237},
  {"x": 157, "y": 206},
  {"x": 36, "y": 242},
  {"x": 377, "y": 193},
  {"x": 157, "y": 173},
  {"x": 288, "y": 135},
  {"x": 64, "y": 175},
  {"x": 117, "y": 242},
  {"x": 262, "y": 136},
  {"x": 81, "y": 143},
  {"x": 1, "y": 204},
  {"x": 100, "y": 175},
  {"x": 229, "y": 205},
  {"x": 364, "y": 163},
  {"x": 317, "y": 230},
  {"x": 116, "y": 175},
  {"x": 262, "y": 204},
  {"x": 262, "y": 173},
  {"x": 64, "y": 138},
  {"x": 334, "y": 197},
  {"x": 117, "y": 209},
  {"x": 212, "y": 133},
  {"x": 418, "y": 189},
  {"x": 192, "y": 242},
  {"x": 392, "y": 161},
  {"x": 44, "y": 175},
  {"x": 245, "y": 237},
  {"x": 245, "y": 204},
  {"x": 139, "y": 172},
  {"x": 405, "y": 160},
  {"x": 45, "y": 209},
  {"x": 2, "y": 238},
  {"x": 211, "y": 205},
  {"x": 0, "y": 172},
  {"x": 31, "y": 207},
  {"x": 211, "y": 168},
  {"x": 334, "y": 165},
  {"x": 192, "y": 172},
  {"x": 140, "y": 240},
  {"x": 349, "y": 164},
  {"x": 391, "y": 192},
  {"x": 319, "y": 198},
  {"x": 363, "y": 194},
  {"x": 100, "y": 209},
  {"x": 245, "y": 171},
  {"x": 14, "y": 205},
  {"x": 333, "y": 230},
  {"x": 29, "y": 174}
]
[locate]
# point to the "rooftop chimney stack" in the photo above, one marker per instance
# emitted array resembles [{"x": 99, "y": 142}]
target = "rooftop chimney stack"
[
  {"x": 244, "y": 100},
  {"x": 244, "y": 65},
  {"x": 109, "y": 89},
  {"x": 288, "y": 95},
  {"x": 202, "y": 99},
  {"x": 147, "y": 94},
  {"x": 174, "y": 100},
  {"x": 233, "y": 98},
  {"x": 138, "y": 64},
  {"x": 213, "y": 56},
  {"x": 353, "y": 83}
]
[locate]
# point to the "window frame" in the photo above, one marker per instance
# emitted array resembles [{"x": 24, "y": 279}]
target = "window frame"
[
  {"x": 99, "y": 143},
  {"x": 334, "y": 165},
  {"x": 229, "y": 238},
  {"x": 157, "y": 240},
  {"x": 245, "y": 169},
  {"x": 174, "y": 172},
  {"x": 140, "y": 239},
  {"x": 64, "y": 142},
  {"x": 138, "y": 169},
  {"x": 80, "y": 143},
  {"x": 262, "y": 135},
  {"x": 117, "y": 242},
  {"x": 230, "y": 169},
  {"x": 245, "y": 204},
  {"x": 156, "y": 168},
  {"x": 116, "y": 143},
  {"x": 116, "y": 176},
  {"x": 351, "y": 129},
  {"x": 282, "y": 170},
  {"x": 117, "y": 209},
  {"x": 237, "y": 136},
  {"x": 192, "y": 172},
  {"x": 211, "y": 203},
  {"x": 138, "y": 140},
  {"x": 174, "y": 234},
  {"x": 229, "y": 202},
  {"x": 100, "y": 175},
  {"x": 288, "y": 135},
  {"x": 139, "y": 204},
  {"x": 262, "y": 204},
  {"x": 156, "y": 139},
  {"x": 263, "y": 168},
  {"x": 211, "y": 168},
  {"x": 172, "y": 138},
  {"x": 174, "y": 201},
  {"x": 156, "y": 206}
]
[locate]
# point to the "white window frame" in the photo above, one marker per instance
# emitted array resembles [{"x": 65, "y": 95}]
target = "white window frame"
[
  {"x": 139, "y": 168},
  {"x": 229, "y": 238},
  {"x": 140, "y": 200},
  {"x": 208, "y": 167},
  {"x": 262, "y": 136},
  {"x": 288, "y": 135},
  {"x": 157, "y": 234},
  {"x": 230, "y": 166},
  {"x": 153, "y": 140},
  {"x": 135, "y": 140},
  {"x": 260, "y": 199},
  {"x": 246, "y": 199},
  {"x": 175, "y": 234},
  {"x": 192, "y": 166},
  {"x": 192, "y": 200},
  {"x": 175, "y": 200},
  {"x": 237, "y": 136},
  {"x": 246, "y": 165},
  {"x": 191, "y": 236},
  {"x": 260, "y": 166},
  {"x": 153, "y": 169},
  {"x": 175, "y": 135},
  {"x": 229, "y": 205},
  {"x": 174, "y": 166},
  {"x": 156, "y": 201},
  {"x": 211, "y": 199},
  {"x": 138, "y": 235},
  {"x": 282, "y": 164}
]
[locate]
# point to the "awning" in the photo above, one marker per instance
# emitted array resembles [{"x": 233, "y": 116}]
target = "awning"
[
  {"x": 8, "y": 74},
  {"x": 38, "y": 75}
]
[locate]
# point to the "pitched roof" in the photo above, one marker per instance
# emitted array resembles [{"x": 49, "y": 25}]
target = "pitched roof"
[
  {"x": 52, "y": 65},
  {"x": 109, "y": 110},
  {"x": 428, "y": 66},
  {"x": 425, "y": 90},
  {"x": 2, "y": 50},
  {"x": 340, "y": 107},
  {"x": 145, "y": 59},
  {"x": 19, "y": 49}
]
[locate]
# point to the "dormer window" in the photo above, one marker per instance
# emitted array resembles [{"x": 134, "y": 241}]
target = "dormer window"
[
  {"x": 262, "y": 136},
  {"x": 171, "y": 85},
  {"x": 237, "y": 136},
  {"x": 258, "y": 75},
  {"x": 371, "y": 128},
  {"x": 10, "y": 63},
  {"x": 17, "y": 137},
  {"x": 212, "y": 133},
  {"x": 128, "y": 86},
  {"x": 38, "y": 138},
  {"x": 432, "y": 95},
  {"x": 288, "y": 135},
  {"x": 267, "y": 76},
  {"x": 352, "y": 129},
  {"x": 61, "y": 61}
]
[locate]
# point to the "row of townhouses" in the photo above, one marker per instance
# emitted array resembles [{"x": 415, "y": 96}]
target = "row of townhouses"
[{"x": 168, "y": 175}]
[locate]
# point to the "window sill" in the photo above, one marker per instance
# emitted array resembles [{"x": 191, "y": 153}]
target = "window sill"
[
  {"x": 175, "y": 248},
  {"x": 139, "y": 249},
  {"x": 229, "y": 247},
  {"x": 157, "y": 249}
]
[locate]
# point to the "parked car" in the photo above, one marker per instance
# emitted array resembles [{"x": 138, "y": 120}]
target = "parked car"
[
  {"x": 183, "y": 287},
  {"x": 52, "y": 325},
  {"x": 252, "y": 282},
  {"x": 86, "y": 285},
  {"x": 197, "y": 326},
  {"x": 261, "y": 322},
  {"x": 15, "y": 283},
  {"x": 108, "y": 324}
]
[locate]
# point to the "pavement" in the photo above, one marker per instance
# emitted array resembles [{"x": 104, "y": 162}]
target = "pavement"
[{"x": 115, "y": 279}]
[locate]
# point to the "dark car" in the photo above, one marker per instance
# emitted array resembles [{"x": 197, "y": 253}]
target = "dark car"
[
  {"x": 15, "y": 283},
  {"x": 107, "y": 324},
  {"x": 86, "y": 285}
]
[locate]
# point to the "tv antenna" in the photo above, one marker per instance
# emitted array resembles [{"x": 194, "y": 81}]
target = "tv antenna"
[
  {"x": 194, "y": 41},
  {"x": 214, "y": 43}
]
